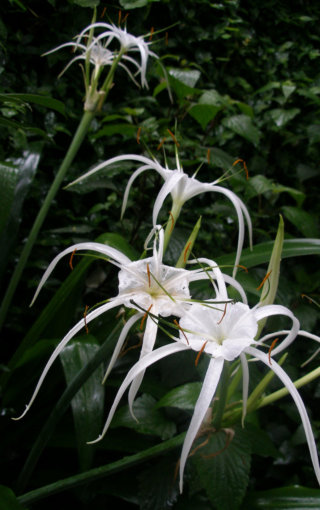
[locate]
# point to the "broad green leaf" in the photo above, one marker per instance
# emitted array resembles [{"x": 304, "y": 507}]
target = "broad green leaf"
[
  {"x": 286, "y": 498},
  {"x": 86, "y": 3},
  {"x": 179, "y": 86},
  {"x": 260, "y": 442},
  {"x": 314, "y": 133},
  {"x": 288, "y": 88},
  {"x": 281, "y": 117},
  {"x": 17, "y": 126},
  {"x": 223, "y": 466},
  {"x": 183, "y": 397},
  {"x": 242, "y": 125},
  {"x": 133, "y": 4},
  {"x": 46, "y": 101},
  {"x": 258, "y": 184},
  {"x": 150, "y": 420},
  {"x": 157, "y": 488},
  {"x": 298, "y": 196},
  {"x": 88, "y": 404},
  {"x": 203, "y": 114},
  {"x": 302, "y": 220},
  {"x": 220, "y": 158},
  {"x": 187, "y": 77},
  {"x": 8, "y": 500}
]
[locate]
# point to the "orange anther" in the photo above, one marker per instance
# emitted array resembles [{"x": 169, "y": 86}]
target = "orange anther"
[
  {"x": 85, "y": 319},
  {"x": 144, "y": 317},
  {"x": 199, "y": 353},
  {"x": 149, "y": 275},
  {"x": 151, "y": 33},
  {"x": 224, "y": 312},
  {"x": 180, "y": 328},
  {"x": 103, "y": 12},
  {"x": 243, "y": 267},
  {"x": 185, "y": 255},
  {"x": 119, "y": 17},
  {"x": 172, "y": 221},
  {"x": 125, "y": 18},
  {"x": 307, "y": 297},
  {"x": 244, "y": 166},
  {"x": 71, "y": 259},
  {"x": 174, "y": 138},
  {"x": 161, "y": 144},
  {"x": 138, "y": 135},
  {"x": 208, "y": 156},
  {"x": 264, "y": 279},
  {"x": 271, "y": 348}
]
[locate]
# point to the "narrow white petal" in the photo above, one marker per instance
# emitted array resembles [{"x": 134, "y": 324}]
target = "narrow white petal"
[
  {"x": 125, "y": 330},
  {"x": 73, "y": 331},
  {"x": 129, "y": 184},
  {"x": 148, "y": 342},
  {"x": 167, "y": 187},
  {"x": 208, "y": 390},
  {"x": 267, "y": 311},
  {"x": 142, "y": 364},
  {"x": 245, "y": 385},
  {"x": 299, "y": 403},
  {"x": 98, "y": 247}
]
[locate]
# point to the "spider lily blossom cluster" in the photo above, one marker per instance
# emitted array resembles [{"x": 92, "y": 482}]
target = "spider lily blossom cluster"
[
  {"x": 182, "y": 188},
  {"x": 109, "y": 48}
]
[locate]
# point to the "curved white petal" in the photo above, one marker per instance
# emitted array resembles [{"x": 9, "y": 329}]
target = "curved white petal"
[
  {"x": 129, "y": 184},
  {"x": 139, "y": 367},
  {"x": 299, "y": 403},
  {"x": 148, "y": 342},
  {"x": 269, "y": 310},
  {"x": 125, "y": 330},
  {"x": 208, "y": 390},
  {"x": 114, "y": 254},
  {"x": 73, "y": 331},
  {"x": 167, "y": 187}
]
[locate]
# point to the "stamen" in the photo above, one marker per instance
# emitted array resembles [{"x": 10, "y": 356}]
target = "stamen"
[
  {"x": 125, "y": 18},
  {"x": 224, "y": 313},
  {"x": 208, "y": 156},
  {"x": 199, "y": 353},
  {"x": 180, "y": 328},
  {"x": 138, "y": 135},
  {"x": 174, "y": 138},
  {"x": 172, "y": 221},
  {"x": 243, "y": 267},
  {"x": 264, "y": 279},
  {"x": 161, "y": 143},
  {"x": 85, "y": 319},
  {"x": 244, "y": 166},
  {"x": 151, "y": 33},
  {"x": 103, "y": 12},
  {"x": 145, "y": 316},
  {"x": 271, "y": 348},
  {"x": 124, "y": 350},
  {"x": 185, "y": 255},
  {"x": 149, "y": 275},
  {"x": 166, "y": 39},
  {"x": 71, "y": 259},
  {"x": 119, "y": 17}
]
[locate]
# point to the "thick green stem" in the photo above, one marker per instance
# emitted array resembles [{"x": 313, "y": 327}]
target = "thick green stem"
[
  {"x": 222, "y": 394},
  {"x": 73, "y": 149},
  {"x": 101, "y": 472},
  {"x": 174, "y": 215}
]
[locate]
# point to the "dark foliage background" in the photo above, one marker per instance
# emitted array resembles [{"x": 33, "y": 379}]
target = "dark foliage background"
[{"x": 246, "y": 84}]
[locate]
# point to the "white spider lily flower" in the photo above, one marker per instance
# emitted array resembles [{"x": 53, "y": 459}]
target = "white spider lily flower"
[
  {"x": 182, "y": 188},
  {"x": 224, "y": 334},
  {"x": 149, "y": 286},
  {"x": 99, "y": 53}
]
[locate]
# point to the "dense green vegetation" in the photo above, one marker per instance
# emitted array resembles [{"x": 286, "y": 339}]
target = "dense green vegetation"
[{"x": 245, "y": 85}]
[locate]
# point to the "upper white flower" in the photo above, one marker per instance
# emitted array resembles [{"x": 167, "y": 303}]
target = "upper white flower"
[
  {"x": 147, "y": 285},
  {"x": 102, "y": 50},
  {"x": 181, "y": 187},
  {"x": 224, "y": 333}
]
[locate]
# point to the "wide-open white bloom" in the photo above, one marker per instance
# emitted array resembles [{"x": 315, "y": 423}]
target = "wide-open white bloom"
[
  {"x": 224, "y": 333},
  {"x": 181, "y": 187},
  {"x": 104, "y": 48},
  {"x": 147, "y": 285}
]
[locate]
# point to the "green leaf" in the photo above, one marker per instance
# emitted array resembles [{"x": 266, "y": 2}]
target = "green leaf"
[
  {"x": 302, "y": 220},
  {"x": 223, "y": 467},
  {"x": 203, "y": 114},
  {"x": 242, "y": 125},
  {"x": 183, "y": 397},
  {"x": 89, "y": 401},
  {"x": 281, "y": 117},
  {"x": 286, "y": 498},
  {"x": 8, "y": 181},
  {"x": 86, "y": 3},
  {"x": 221, "y": 159},
  {"x": 8, "y": 500},
  {"x": 46, "y": 101},
  {"x": 133, "y": 4},
  {"x": 298, "y": 196},
  {"x": 157, "y": 490},
  {"x": 187, "y": 77},
  {"x": 150, "y": 420}
]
